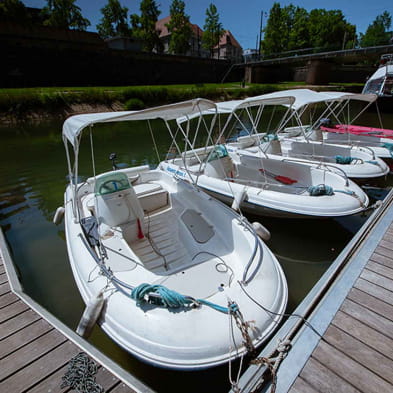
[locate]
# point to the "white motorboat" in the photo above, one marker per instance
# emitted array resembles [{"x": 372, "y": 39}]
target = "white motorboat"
[
  {"x": 336, "y": 109},
  {"x": 262, "y": 184},
  {"x": 354, "y": 161},
  {"x": 381, "y": 83},
  {"x": 175, "y": 267}
]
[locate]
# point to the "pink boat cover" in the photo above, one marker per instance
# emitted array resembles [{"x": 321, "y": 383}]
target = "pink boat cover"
[{"x": 359, "y": 130}]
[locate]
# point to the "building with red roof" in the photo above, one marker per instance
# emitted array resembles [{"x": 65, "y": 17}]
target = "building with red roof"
[{"x": 228, "y": 48}]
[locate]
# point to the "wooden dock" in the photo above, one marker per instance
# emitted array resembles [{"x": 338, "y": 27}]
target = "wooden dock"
[
  {"x": 35, "y": 348},
  {"x": 356, "y": 352},
  {"x": 353, "y": 351}
]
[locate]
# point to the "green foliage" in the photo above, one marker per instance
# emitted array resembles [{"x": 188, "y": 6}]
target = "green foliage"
[
  {"x": 64, "y": 14},
  {"x": 179, "y": 28},
  {"x": 213, "y": 29},
  {"x": 377, "y": 32},
  {"x": 134, "y": 104},
  {"x": 144, "y": 26},
  {"x": 13, "y": 11},
  {"x": 328, "y": 29},
  {"x": 114, "y": 20},
  {"x": 290, "y": 27}
]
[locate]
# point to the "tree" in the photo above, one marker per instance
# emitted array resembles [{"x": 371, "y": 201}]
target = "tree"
[
  {"x": 213, "y": 29},
  {"x": 144, "y": 26},
  {"x": 64, "y": 14},
  {"x": 273, "y": 39},
  {"x": 114, "y": 20},
  {"x": 329, "y": 29},
  {"x": 179, "y": 28},
  {"x": 378, "y": 32},
  {"x": 290, "y": 28},
  {"x": 298, "y": 34},
  {"x": 13, "y": 11}
]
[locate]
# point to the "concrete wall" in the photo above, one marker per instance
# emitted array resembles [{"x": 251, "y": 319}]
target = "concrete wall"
[{"x": 39, "y": 57}]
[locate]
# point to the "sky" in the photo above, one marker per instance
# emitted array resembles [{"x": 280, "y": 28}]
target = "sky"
[{"x": 241, "y": 17}]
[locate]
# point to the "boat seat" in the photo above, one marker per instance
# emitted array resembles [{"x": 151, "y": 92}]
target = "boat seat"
[
  {"x": 146, "y": 188},
  {"x": 151, "y": 196}
]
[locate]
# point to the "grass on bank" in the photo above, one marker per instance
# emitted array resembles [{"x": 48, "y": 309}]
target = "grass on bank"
[{"x": 21, "y": 101}]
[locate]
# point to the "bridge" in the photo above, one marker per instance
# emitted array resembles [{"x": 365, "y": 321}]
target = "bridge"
[{"x": 315, "y": 68}]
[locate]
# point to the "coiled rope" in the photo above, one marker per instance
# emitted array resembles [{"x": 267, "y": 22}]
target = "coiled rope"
[
  {"x": 324, "y": 189},
  {"x": 80, "y": 375},
  {"x": 320, "y": 189},
  {"x": 270, "y": 137},
  {"x": 171, "y": 299},
  {"x": 345, "y": 160}
]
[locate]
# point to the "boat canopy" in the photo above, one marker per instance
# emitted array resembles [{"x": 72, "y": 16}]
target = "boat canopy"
[
  {"x": 74, "y": 125},
  {"x": 305, "y": 97},
  {"x": 232, "y": 106}
]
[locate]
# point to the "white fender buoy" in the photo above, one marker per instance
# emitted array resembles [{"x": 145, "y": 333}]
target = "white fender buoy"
[
  {"x": 58, "y": 217},
  {"x": 90, "y": 315},
  {"x": 261, "y": 231},
  {"x": 239, "y": 197}
]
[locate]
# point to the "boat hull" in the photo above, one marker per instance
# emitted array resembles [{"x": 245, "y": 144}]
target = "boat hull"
[{"x": 184, "y": 339}]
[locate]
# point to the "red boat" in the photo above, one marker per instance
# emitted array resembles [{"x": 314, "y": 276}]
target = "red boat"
[{"x": 359, "y": 130}]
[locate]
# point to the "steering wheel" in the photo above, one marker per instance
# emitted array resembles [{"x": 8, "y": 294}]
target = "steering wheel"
[{"x": 116, "y": 184}]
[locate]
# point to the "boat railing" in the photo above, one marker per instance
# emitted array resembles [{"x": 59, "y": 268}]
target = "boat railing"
[{"x": 368, "y": 149}]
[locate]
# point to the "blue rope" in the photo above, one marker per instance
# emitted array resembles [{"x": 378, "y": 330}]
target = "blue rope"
[
  {"x": 171, "y": 299},
  {"x": 320, "y": 189},
  {"x": 323, "y": 189},
  {"x": 389, "y": 146},
  {"x": 345, "y": 160},
  {"x": 270, "y": 137}
]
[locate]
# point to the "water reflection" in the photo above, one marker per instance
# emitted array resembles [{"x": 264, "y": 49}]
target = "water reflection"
[{"x": 33, "y": 179}]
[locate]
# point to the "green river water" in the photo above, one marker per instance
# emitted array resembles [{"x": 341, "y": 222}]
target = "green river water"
[{"x": 33, "y": 178}]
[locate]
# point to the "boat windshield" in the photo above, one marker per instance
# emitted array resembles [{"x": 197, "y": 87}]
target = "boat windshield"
[
  {"x": 111, "y": 182},
  {"x": 373, "y": 86}
]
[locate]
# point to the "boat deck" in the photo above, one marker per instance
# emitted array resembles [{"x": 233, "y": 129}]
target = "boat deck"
[{"x": 34, "y": 353}]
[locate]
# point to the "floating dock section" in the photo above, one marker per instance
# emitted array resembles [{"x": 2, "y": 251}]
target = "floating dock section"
[
  {"x": 346, "y": 345},
  {"x": 35, "y": 347}
]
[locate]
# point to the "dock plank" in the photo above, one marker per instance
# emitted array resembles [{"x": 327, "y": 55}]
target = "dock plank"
[
  {"x": 386, "y": 243},
  {"x": 30, "y": 375},
  {"x": 51, "y": 383},
  {"x": 2, "y": 268},
  {"x": 374, "y": 290},
  {"x": 351, "y": 371},
  {"x": 19, "y": 322},
  {"x": 3, "y": 278},
  {"x": 368, "y": 317},
  {"x": 23, "y": 337},
  {"x": 383, "y": 260},
  {"x": 364, "y": 333},
  {"x": 360, "y": 352},
  {"x": 380, "y": 269},
  {"x": 106, "y": 379},
  {"x": 372, "y": 303},
  {"x": 30, "y": 352},
  {"x": 4, "y": 288},
  {"x": 324, "y": 380},
  {"x": 383, "y": 251},
  {"x": 7, "y": 299},
  {"x": 376, "y": 278},
  {"x": 12, "y": 310}
]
